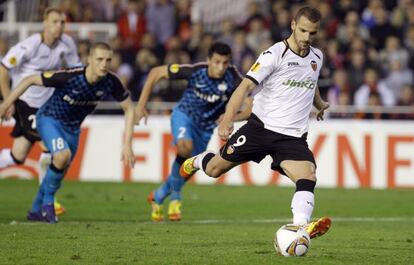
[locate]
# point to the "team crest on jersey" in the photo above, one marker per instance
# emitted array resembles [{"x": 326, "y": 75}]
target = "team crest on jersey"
[
  {"x": 13, "y": 61},
  {"x": 255, "y": 67},
  {"x": 48, "y": 74},
  {"x": 230, "y": 150},
  {"x": 174, "y": 68},
  {"x": 222, "y": 87},
  {"x": 314, "y": 65}
]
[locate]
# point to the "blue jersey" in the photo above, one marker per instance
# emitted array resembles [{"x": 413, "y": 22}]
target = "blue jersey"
[
  {"x": 74, "y": 98},
  {"x": 205, "y": 98}
]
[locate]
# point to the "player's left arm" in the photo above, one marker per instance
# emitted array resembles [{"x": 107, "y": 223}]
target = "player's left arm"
[
  {"x": 127, "y": 152},
  {"x": 35, "y": 79},
  {"x": 320, "y": 104}
]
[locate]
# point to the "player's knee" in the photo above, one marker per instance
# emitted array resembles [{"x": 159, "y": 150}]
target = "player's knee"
[
  {"x": 214, "y": 171},
  {"x": 185, "y": 149},
  {"x": 61, "y": 159}
]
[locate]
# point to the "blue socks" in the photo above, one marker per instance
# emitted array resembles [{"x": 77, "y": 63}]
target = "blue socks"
[
  {"x": 50, "y": 184},
  {"x": 173, "y": 185}
]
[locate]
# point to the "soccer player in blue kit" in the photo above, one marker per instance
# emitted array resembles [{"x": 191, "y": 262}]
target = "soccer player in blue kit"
[
  {"x": 193, "y": 120},
  {"x": 77, "y": 93}
]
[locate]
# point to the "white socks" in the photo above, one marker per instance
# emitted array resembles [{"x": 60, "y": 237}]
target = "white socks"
[
  {"x": 5, "y": 158},
  {"x": 44, "y": 162},
  {"x": 302, "y": 207},
  {"x": 199, "y": 159}
]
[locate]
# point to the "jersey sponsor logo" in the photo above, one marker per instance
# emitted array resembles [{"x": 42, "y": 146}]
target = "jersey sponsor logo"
[
  {"x": 255, "y": 67},
  {"x": 74, "y": 91},
  {"x": 293, "y": 64},
  {"x": 71, "y": 101},
  {"x": 314, "y": 65},
  {"x": 48, "y": 74},
  {"x": 222, "y": 87},
  {"x": 13, "y": 61},
  {"x": 210, "y": 98},
  {"x": 174, "y": 68},
  {"x": 99, "y": 93},
  {"x": 309, "y": 84}
]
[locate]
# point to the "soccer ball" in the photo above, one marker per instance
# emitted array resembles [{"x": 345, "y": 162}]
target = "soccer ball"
[{"x": 292, "y": 240}]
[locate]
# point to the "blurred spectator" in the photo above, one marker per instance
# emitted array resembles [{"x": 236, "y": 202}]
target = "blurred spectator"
[
  {"x": 372, "y": 84},
  {"x": 70, "y": 8},
  {"x": 226, "y": 33},
  {"x": 83, "y": 50},
  {"x": 398, "y": 76},
  {"x": 247, "y": 63},
  {"x": 381, "y": 29},
  {"x": 339, "y": 87},
  {"x": 355, "y": 71},
  {"x": 144, "y": 61},
  {"x": 280, "y": 23},
  {"x": 197, "y": 32},
  {"x": 123, "y": 70},
  {"x": 161, "y": 17},
  {"x": 240, "y": 49},
  {"x": 200, "y": 54},
  {"x": 132, "y": 25},
  {"x": 374, "y": 100},
  {"x": 351, "y": 27},
  {"x": 148, "y": 42},
  {"x": 393, "y": 52},
  {"x": 183, "y": 20},
  {"x": 329, "y": 22},
  {"x": 368, "y": 15},
  {"x": 406, "y": 99},
  {"x": 342, "y": 7},
  {"x": 257, "y": 33}
]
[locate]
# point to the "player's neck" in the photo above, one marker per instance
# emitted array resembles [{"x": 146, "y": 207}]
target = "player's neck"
[
  {"x": 91, "y": 77},
  {"x": 48, "y": 39},
  {"x": 295, "y": 48}
]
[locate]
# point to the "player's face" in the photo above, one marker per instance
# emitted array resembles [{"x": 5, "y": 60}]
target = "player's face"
[
  {"x": 304, "y": 32},
  {"x": 217, "y": 65},
  {"x": 55, "y": 24},
  {"x": 100, "y": 61}
]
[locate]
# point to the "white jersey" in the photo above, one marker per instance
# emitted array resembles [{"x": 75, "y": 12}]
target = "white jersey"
[
  {"x": 286, "y": 88},
  {"x": 32, "y": 56}
]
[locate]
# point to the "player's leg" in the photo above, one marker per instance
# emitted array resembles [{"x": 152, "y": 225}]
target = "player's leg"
[
  {"x": 17, "y": 154},
  {"x": 182, "y": 138},
  {"x": 54, "y": 137},
  {"x": 24, "y": 134},
  {"x": 299, "y": 165},
  {"x": 244, "y": 145}
]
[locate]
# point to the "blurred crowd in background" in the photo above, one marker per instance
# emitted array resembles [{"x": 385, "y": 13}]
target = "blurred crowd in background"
[{"x": 368, "y": 45}]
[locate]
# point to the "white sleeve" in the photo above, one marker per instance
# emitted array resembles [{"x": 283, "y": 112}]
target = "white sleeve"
[
  {"x": 18, "y": 54},
  {"x": 263, "y": 67}
]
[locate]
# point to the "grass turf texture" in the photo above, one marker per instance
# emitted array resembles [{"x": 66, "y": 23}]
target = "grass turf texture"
[{"x": 108, "y": 223}]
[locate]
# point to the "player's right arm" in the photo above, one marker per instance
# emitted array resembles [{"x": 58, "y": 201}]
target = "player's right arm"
[
  {"x": 225, "y": 127},
  {"x": 155, "y": 75},
  {"x": 5, "y": 89},
  {"x": 35, "y": 79},
  {"x": 261, "y": 69}
]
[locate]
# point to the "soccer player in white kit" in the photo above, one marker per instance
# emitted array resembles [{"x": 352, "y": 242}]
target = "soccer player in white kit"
[
  {"x": 285, "y": 76},
  {"x": 49, "y": 50}
]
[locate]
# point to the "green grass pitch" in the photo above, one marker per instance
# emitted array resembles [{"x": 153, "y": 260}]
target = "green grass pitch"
[{"x": 108, "y": 223}]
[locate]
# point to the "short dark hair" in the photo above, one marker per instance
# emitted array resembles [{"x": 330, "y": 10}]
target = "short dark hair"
[
  {"x": 310, "y": 13},
  {"x": 50, "y": 10},
  {"x": 219, "y": 48},
  {"x": 100, "y": 45}
]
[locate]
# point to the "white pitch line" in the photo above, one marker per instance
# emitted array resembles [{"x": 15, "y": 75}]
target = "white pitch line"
[{"x": 240, "y": 221}]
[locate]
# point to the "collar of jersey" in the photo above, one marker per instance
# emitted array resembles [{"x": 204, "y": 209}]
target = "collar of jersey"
[{"x": 287, "y": 45}]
